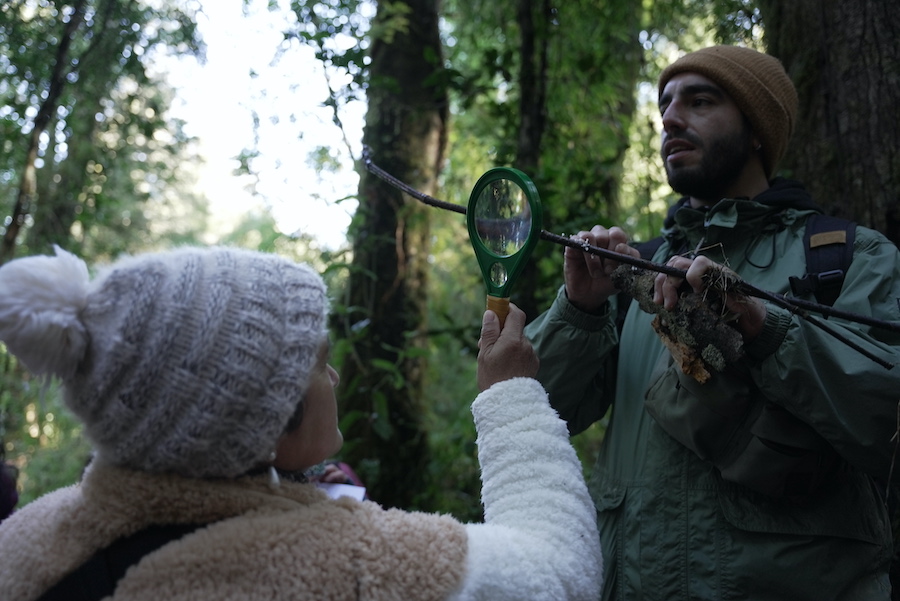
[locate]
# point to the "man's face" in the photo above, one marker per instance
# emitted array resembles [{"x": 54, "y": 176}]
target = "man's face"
[{"x": 706, "y": 141}]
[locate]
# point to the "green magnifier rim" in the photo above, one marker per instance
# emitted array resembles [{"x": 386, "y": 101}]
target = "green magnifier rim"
[{"x": 487, "y": 258}]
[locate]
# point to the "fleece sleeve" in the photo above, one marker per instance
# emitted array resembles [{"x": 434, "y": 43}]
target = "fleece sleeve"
[{"x": 539, "y": 540}]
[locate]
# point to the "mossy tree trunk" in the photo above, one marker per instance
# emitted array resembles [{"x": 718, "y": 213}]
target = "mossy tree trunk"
[
  {"x": 845, "y": 60},
  {"x": 406, "y": 134}
]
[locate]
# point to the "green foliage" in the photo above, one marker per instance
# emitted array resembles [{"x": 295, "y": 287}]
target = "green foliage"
[
  {"x": 338, "y": 32},
  {"x": 78, "y": 73},
  {"x": 40, "y": 436},
  {"x": 135, "y": 186},
  {"x": 455, "y": 306},
  {"x": 696, "y": 23}
]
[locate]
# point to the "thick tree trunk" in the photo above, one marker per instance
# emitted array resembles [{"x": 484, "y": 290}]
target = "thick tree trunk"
[
  {"x": 534, "y": 18},
  {"x": 406, "y": 133},
  {"x": 845, "y": 60}
]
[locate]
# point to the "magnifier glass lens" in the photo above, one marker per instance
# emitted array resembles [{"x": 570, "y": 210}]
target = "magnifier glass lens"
[{"x": 503, "y": 217}]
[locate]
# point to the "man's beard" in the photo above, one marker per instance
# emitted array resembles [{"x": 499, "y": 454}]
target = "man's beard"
[{"x": 723, "y": 160}]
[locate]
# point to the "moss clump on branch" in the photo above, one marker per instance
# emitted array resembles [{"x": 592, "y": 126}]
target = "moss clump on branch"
[{"x": 696, "y": 331}]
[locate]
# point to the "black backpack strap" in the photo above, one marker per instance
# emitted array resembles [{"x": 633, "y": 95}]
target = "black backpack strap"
[
  {"x": 97, "y": 577},
  {"x": 828, "y": 243}
]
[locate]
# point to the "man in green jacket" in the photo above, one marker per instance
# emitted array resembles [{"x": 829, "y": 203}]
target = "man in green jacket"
[{"x": 765, "y": 481}]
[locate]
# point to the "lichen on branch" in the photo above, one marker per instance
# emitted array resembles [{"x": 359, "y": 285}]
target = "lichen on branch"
[{"x": 697, "y": 330}]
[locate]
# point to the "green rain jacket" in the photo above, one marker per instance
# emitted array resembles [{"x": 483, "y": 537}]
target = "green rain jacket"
[{"x": 671, "y": 526}]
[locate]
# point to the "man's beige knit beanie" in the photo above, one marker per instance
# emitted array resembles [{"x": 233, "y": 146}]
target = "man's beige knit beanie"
[
  {"x": 189, "y": 361},
  {"x": 759, "y": 86}
]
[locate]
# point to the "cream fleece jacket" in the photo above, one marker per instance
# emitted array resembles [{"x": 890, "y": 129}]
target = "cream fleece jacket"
[{"x": 539, "y": 540}]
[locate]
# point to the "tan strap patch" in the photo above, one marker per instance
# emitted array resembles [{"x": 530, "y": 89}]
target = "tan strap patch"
[{"x": 826, "y": 238}]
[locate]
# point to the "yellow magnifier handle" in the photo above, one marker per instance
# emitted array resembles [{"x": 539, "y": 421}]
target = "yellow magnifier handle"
[{"x": 500, "y": 306}]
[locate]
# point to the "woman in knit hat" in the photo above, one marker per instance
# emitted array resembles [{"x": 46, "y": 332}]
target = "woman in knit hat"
[{"x": 201, "y": 375}]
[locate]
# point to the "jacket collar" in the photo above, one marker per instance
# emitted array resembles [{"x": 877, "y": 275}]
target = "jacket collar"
[{"x": 782, "y": 193}]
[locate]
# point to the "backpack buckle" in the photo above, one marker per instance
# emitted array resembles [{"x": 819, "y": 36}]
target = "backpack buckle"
[{"x": 813, "y": 282}]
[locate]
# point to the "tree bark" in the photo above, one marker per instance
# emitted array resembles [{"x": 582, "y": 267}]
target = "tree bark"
[
  {"x": 845, "y": 60},
  {"x": 406, "y": 134},
  {"x": 534, "y": 18}
]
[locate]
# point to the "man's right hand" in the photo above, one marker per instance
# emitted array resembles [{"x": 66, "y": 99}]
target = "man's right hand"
[{"x": 588, "y": 284}]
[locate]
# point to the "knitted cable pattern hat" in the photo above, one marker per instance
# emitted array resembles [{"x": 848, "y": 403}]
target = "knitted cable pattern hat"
[
  {"x": 189, "y": 361},
  {"x": 759, "y": 86}
]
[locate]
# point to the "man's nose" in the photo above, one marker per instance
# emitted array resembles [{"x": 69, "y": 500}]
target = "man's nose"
[{"x": 672, "y": 117}]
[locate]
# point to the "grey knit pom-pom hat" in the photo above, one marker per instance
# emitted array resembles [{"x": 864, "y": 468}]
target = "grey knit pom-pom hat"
[{"x": 189, "y": 361}]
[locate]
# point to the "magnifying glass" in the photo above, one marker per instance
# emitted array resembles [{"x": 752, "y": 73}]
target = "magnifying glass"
[{"x": 504, "y": 217}]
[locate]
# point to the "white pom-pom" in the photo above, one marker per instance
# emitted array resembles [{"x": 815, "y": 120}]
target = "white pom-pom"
[{"x": 41, "y": 299}]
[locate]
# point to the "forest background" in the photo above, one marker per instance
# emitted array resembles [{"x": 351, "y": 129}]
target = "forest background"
[{"x": 92, "y": 160}]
